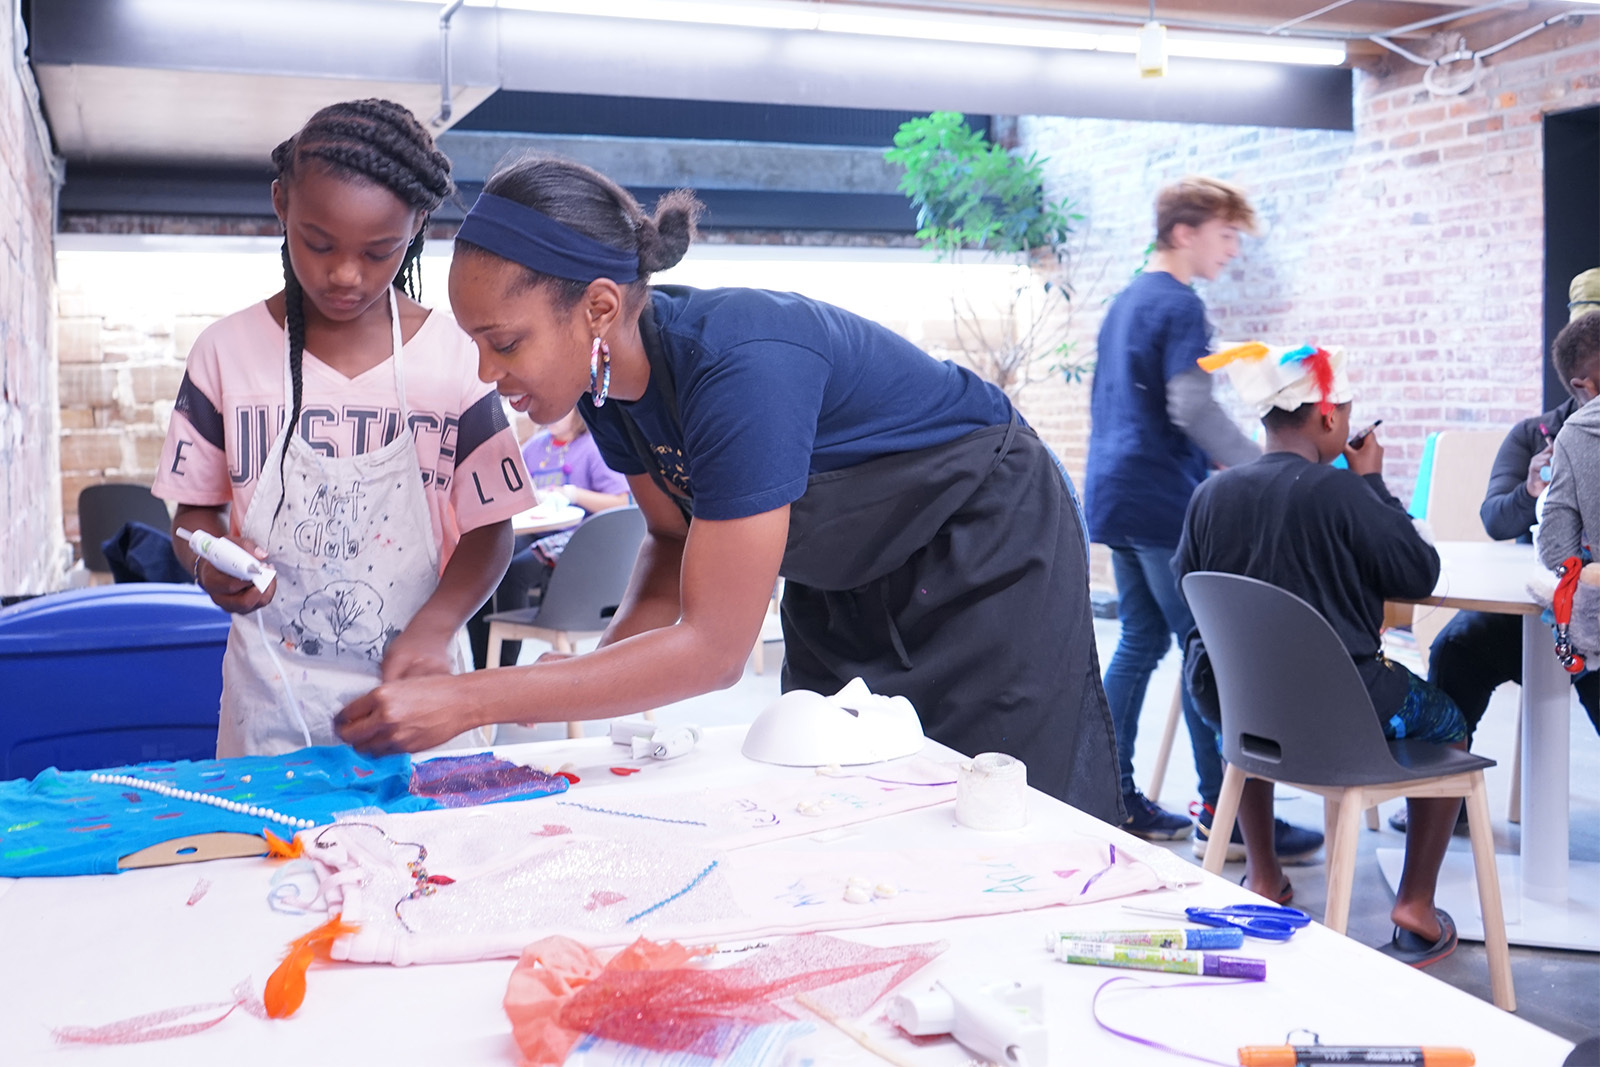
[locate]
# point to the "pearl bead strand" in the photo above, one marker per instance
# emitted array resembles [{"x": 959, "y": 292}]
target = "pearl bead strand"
[{"x": 201, "y": 798}]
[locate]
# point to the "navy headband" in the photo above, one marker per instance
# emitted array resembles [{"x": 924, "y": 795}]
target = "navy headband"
[{"x": 523, "y": 235}]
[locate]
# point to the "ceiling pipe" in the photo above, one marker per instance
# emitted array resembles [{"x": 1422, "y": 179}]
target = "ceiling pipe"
[{"x": 446, "y": 106}]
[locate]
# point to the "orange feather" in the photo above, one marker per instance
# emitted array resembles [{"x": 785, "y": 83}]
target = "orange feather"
[{"x": 286, "y": 987}]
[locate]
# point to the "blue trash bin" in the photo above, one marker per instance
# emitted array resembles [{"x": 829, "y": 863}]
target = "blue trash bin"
[{"x": 110, "y": 675}]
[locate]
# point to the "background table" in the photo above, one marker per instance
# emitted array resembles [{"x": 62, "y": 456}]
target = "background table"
[
  {"x": 92, "y": 950},
  {"x": 1549, "y": 900}
]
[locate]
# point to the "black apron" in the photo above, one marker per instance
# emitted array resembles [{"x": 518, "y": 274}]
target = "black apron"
[{"x": 955, "y": 576}]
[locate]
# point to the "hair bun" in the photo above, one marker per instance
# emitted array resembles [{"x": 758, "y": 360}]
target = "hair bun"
[{"x": 664, "y": 239}]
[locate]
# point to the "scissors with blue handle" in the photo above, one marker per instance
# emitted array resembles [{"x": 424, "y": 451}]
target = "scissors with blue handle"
[{"x": 1265, "y": 922}]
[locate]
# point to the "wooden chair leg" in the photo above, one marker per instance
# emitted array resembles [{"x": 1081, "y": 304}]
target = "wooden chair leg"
[
  {"x": 1489, "y": 903},
  {"x": 1342, "y": 859},
  {"x": 563, "y": 643},
  {"x": 1222, "y": 821},
  {"x": 497, "y": 638},
  {"x": 1372, "y": 817},
  {"x": 1514, "y": 813},
  {"x": 1330, "y": 822},
  {"x": 1164, "y": 753}
]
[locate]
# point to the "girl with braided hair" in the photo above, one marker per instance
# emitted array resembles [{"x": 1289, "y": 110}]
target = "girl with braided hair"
[
  {"x": 338, "y": 430},
  {"x": 930, "y": 543}
]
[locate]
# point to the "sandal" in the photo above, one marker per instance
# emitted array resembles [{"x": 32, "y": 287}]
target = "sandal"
[
  {"x": 1285, "y": 894},
  {"x": 1411, "y": 948}
]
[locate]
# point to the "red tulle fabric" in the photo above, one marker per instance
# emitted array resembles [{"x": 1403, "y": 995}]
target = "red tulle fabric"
[{"x": 648, "y": 997}]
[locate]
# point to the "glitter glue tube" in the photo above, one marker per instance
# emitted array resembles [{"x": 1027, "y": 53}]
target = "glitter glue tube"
[
  {"x": 1171, "y": 960},
  {"x": 1295, "y": 1055},
  {"x": 1208, "y": 937},
  {"x": 229, "y": 558}
]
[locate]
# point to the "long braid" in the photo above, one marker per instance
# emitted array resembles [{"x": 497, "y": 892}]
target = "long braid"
[
  {"x": 377, "y": 141},
  {"x": 294, "y": 320}
]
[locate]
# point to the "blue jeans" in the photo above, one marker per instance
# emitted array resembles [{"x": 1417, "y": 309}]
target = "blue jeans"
[{"x": 1152, "y": 613}]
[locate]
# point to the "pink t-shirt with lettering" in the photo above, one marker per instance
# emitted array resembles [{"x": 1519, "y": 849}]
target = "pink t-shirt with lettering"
[{"x": 232, "y": 404}]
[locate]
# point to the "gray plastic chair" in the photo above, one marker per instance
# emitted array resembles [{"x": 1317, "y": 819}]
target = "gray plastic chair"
[
  {"x": 1294, "y": 710},
  {"x": 584, "y": 591}
]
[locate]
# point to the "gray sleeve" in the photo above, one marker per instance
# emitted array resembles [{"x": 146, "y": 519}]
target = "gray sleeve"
[
  {"x": 1193, "y": 409},
  {"x": 1561, "y": 528}
]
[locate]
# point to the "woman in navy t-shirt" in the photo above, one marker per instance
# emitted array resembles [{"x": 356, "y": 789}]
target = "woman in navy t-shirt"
[{"x": 928, "y": 539}]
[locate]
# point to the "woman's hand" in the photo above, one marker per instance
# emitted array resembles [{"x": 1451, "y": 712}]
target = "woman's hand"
[
  {"x": 407, "y": 716},
  {"x": 1537, "y": 482}
]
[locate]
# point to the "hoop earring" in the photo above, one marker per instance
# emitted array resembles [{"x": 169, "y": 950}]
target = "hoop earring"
[{"x": 600, "y": 372}]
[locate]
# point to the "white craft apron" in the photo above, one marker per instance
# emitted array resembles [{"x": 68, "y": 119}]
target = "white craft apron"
[{"x": 356, "y": 559}]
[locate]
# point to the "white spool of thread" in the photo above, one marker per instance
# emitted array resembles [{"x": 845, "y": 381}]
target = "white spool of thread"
[{"x": 992, "y": 792}]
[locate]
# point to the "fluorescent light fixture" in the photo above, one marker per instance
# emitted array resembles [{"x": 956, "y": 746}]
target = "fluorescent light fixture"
[
  {"x": 872, "y": 21},
  {"x": 1022, "y": 33},
  {"x": 781, "y": 15}
]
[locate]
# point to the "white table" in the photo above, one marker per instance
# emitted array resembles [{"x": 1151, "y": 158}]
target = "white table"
[
  {"x": 1549, "y": 900},
  {"x": 91, "y": 950}
]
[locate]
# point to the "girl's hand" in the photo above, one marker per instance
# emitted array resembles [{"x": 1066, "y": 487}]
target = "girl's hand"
[
  {"x": 238, "y": 596},
  {"x": 417, "y": 652},
  {"x": 406, "y": 716}
]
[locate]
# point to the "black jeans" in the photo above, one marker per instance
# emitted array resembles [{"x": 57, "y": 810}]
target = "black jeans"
[{"x": 1477, "y": 652}]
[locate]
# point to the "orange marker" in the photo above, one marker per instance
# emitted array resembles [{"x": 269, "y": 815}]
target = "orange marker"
[{"x": 1296, "y": 1055}]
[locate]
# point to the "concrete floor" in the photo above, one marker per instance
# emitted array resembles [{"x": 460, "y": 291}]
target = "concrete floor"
[{"x": 1557, "y": 990}]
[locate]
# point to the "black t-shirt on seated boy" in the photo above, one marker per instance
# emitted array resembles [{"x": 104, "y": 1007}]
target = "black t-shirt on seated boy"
[{"x": 1339, "y": 541}]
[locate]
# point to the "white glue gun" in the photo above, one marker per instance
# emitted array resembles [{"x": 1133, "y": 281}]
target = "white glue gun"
[
  {"x": 229, "y": 558},
  {"x": 1001, "y": 1022},
  {"x": 648, "y": 739}
]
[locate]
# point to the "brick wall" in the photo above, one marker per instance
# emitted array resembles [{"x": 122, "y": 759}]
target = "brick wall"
[
  {"x": 30, "y": 519},
  {"x": 125, "y": 322},
  {"x": 1416, "y": 240}
]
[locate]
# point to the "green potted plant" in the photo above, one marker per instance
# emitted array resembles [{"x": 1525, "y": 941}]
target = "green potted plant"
[{"x": 976, "y": 200}]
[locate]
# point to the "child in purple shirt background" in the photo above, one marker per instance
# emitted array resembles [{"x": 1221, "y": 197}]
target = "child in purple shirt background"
[
  {"x": 562, "y": 462},
  {"x": 562, "y": 458}
]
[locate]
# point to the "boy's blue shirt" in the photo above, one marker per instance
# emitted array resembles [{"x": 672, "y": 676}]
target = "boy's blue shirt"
[{"x": 1142, "y": 469}]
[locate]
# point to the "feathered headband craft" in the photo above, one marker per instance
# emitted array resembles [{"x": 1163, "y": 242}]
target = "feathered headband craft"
[{"x": 1283, "y": 377}]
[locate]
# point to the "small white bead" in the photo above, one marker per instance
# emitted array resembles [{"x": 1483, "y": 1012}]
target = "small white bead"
[{"x": 857, "y": 894}]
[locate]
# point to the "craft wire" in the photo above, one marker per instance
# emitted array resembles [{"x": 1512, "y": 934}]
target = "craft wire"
[
  {"x": 418, "y": 872},
  {"x": 825, "y": 773},
  {"x": 663, "y": 903},
  {"x": 1095, "y": 877},
  {"x": 628, "y": 814},
  {"x": 1094, "y": 1009}
]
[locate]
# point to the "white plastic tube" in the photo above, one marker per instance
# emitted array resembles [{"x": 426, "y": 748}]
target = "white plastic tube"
[{"x": 229, "y": 558}]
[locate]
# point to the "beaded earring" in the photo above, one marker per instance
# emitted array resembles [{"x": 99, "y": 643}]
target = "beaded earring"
[{"x": 600, "y": 379}]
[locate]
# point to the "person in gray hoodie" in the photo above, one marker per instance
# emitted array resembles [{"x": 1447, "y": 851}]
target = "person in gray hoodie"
[{"x": 1570, "y": 525}]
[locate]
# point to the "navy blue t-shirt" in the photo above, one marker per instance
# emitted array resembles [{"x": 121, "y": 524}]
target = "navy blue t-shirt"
[
  {"x": 775, "y": 387},
  {"x": 1142, "y": 469}
]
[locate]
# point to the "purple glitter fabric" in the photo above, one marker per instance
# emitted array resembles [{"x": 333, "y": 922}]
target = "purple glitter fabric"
[{"x": 465, "y": 781}]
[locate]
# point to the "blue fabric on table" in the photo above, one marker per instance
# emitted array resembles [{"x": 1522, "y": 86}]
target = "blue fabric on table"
[{"x": 61, "y": 823}]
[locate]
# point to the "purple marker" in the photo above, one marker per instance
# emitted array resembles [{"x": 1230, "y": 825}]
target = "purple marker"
[{"x": 1170, "y": 960}]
